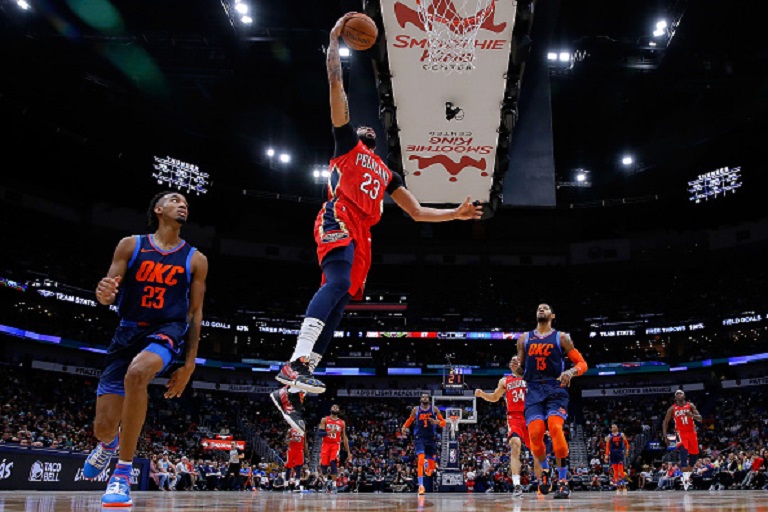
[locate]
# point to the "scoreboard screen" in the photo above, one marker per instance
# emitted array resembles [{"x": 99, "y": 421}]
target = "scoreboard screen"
[
  {"x": 453, "y": 380},
  {"x": 714, "y": 184}
]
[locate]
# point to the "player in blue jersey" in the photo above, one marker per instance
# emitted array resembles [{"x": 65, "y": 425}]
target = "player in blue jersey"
[
  {"x": 616, "y": 449},
  {"x": 158, "y": 282},
  {"x": 425, "y": 418},
  {"x": 541, "y": 362}
]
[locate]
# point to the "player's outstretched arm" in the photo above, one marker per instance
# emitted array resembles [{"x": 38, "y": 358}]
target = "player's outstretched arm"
[
  {"x": 339, "y": 103},
  {"x": 409, "y": 421},
  {"x": 497, "y": 393},
  {"x": 106, "y": 290},
  {"x": 344, "y": 436},
  {"x": 408, "y": 202}
]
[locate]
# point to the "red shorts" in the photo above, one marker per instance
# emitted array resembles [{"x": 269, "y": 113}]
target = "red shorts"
[
  {"x": 689, "y": 441},
  {"x": 337, "y": 226},
  {"x": 295, "y": 459},
  {"x": 516, "y": 425},
  {"x": 328, "y": 453}
]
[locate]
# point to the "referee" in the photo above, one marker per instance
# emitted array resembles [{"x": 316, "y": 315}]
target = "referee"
[{"x": 235, "y": 456}]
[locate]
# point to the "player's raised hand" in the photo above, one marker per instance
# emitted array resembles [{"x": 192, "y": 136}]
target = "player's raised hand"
[
  {"x": 106, "y": 291},
  {"x": 404, "y": 430},
  {"x": 469, "y": 210},
  {"x": 336, "y": 30}
]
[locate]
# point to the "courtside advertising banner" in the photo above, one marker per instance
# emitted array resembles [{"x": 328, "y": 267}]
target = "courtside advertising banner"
[{"x": 33, "y": 469}]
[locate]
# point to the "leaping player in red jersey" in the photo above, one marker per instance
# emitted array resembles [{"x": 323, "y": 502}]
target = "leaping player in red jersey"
[
  {"x": 356, "y": 186},
  {"x": 616, "y": 449},
  {"x": 514, "y": 388},
  {"x": 684, "y": 413},
  {"x": 333, "y": 430}
]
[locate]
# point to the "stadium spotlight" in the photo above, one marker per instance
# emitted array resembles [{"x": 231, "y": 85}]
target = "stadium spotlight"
[
  {"x": 23, "y": 4},
  {"x": 285, "y": 158},
  {"x": 551, "y": 56},
  {"x": 247, "y": 20},
  {"x": 627, "y": 160},
  {"x": 564, "y": 57},
  {"x": 344, "y": 51},
  {"x": 241, "y": 8},
  {"x": 270, "y": 152}
]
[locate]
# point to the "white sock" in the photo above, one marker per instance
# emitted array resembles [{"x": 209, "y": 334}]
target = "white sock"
[
  {"x": 314, "y": 360},
  {"x": 310, "y": 331},
  {"x": 686, "y": 476},
  {"x": 516, "y": 479}
]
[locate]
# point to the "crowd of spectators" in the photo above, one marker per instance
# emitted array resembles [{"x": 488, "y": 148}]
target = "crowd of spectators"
[{"x": 42, "y": 409}]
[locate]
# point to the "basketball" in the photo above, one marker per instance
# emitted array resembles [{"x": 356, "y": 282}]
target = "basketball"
[{"x": 359, "y": 32}]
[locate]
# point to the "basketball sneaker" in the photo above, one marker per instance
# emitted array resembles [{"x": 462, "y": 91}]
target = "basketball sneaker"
[
  {"x": 298, "y": 374},
  {"x": 545, "y": 482},
  {"x": 289, "y": 405},
  {"x": 98, "y": 460},
  {"x": 118, "y": 493},
  {"x": 422, "y": 490},
  {"x": 563, "y": 491},
  {"x": 517, "y": 492}
]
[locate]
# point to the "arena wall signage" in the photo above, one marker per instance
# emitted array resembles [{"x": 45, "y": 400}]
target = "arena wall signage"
[
  {"x": 647, "y": 390},
  {"x": 383, "y": 393},
  {"x": 741, "y": 383},
  {"x": 23, "y": 468}
]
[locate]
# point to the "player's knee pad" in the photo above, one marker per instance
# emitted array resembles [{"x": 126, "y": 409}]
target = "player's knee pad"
[
  {"x": 324, "y": 470},
  {"x": 536, "y": 429},
  {"x": 683, "y": 457},
  {"x": 334, "y": 467},
  {"x": 692, "y": 459},
  {"x": 559, "y": 444}
]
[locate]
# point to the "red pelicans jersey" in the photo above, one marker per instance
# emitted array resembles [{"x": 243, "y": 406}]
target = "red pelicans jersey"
[
  {"x": 333, "y": 429},
  {"x": 683, "y": 422},
  {"x": 516, "y": 389}
]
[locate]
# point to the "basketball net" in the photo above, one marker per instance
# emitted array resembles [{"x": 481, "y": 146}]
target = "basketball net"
[
  {"x": 451, "y": 27},
  {"x": 453, "y": 420}
]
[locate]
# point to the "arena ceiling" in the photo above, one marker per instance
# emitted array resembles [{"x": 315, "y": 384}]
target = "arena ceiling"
[{"x": 91, "y": 89}]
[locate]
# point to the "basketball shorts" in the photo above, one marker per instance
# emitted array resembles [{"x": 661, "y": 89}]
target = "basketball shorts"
[
  {"x": 295, "y": 459},
  {"x": 336, "y": 226},
  {"x": 616, "y": 457},
  {"x": 516, "y": 427},
  {"x": 165, "y": 340},
  {"x": 426, "y": 446},
  {"x": 329, "y": 453},
  {"x": 689, "y": 441},
  {"x": 545, "y": 399}
]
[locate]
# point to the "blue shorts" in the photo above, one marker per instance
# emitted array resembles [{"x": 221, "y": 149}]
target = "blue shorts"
[
  {"x": 425, "y": 446},
  {"x": 545, "y": 399},
  {"x": 616, "y": 457},
  {"x": 165, "y": 340}
]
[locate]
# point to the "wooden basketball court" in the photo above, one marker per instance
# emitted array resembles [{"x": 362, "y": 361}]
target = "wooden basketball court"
[{"x": 691, "y": 501}]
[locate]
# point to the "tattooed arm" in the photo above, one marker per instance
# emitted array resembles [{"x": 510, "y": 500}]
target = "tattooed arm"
[{"x": 339, "y": 104}]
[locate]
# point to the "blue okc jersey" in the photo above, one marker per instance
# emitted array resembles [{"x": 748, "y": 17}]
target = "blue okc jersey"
[
  {"x": 155, "y": 289},
  {"x": 616, "y": 443},
  {"x": 543, "y": 357},
  {"x": 422, "y": 428}
]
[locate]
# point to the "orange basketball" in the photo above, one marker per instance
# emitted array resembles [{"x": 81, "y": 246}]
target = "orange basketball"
[{"x": 359, "y": 32}]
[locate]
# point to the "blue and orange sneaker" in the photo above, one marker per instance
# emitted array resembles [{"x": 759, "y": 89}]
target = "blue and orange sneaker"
[
  {"x": 99, "y": 459},
  {"x": 118, "y": 493}
]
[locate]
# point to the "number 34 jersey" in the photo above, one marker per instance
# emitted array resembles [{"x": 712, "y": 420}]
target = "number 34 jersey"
[
  {"x": 516, "y": 389},
  {"x": 155, "y": 288}
]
